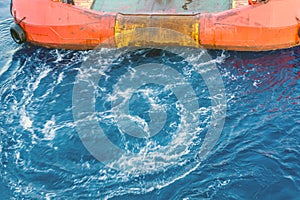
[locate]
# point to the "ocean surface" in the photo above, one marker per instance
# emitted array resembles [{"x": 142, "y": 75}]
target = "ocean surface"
[{"x": 172, "y": 123}]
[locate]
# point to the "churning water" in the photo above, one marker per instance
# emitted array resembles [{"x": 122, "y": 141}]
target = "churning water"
[{"x": 146, "y": 114}]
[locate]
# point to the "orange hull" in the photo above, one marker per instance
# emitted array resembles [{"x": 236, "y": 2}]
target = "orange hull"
[{"x": 258, "y": 27}]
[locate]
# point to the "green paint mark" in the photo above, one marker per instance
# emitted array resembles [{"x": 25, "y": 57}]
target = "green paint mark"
[{"x": 162, "y": 6}]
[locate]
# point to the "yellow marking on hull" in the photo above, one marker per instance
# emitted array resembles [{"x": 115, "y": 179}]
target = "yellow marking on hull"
[{"x": 156, "y": 30}]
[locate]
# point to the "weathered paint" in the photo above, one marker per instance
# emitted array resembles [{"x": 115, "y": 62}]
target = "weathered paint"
[
  {"x": 158, "y": 30},
  {"x": 87, "y": 4},
  {"x": 161, "y": 6},
  {"x": 258, "y": 27},
  {"x": 239, "y": 3},
  {"x": 59, "y": 25}
]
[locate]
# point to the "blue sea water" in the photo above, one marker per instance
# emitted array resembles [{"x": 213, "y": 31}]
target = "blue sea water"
[{"x": 47, "y": 109}]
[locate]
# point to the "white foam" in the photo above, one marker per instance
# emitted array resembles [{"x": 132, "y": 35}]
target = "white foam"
[
  {"x": 42, "y": 75},
  {"x": 59, "y": 56},
  {"x": 49, "y": 129},
  {"x": 8, "y": 63},
  {"x": 60, "y": 78},
  {"x": 25, "y": 121}
]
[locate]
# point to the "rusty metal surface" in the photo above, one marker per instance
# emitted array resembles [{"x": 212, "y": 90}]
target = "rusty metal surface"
[{"x": 157, "y": 30}]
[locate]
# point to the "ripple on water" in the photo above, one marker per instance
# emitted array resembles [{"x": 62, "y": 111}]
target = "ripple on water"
[{"x": 43, "y": 157}]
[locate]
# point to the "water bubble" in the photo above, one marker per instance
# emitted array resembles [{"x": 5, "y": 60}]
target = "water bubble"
[{"x": 123, "y": 134}]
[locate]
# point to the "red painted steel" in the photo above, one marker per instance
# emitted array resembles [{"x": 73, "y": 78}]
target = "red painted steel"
[{"x": 258, "y": 27}]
